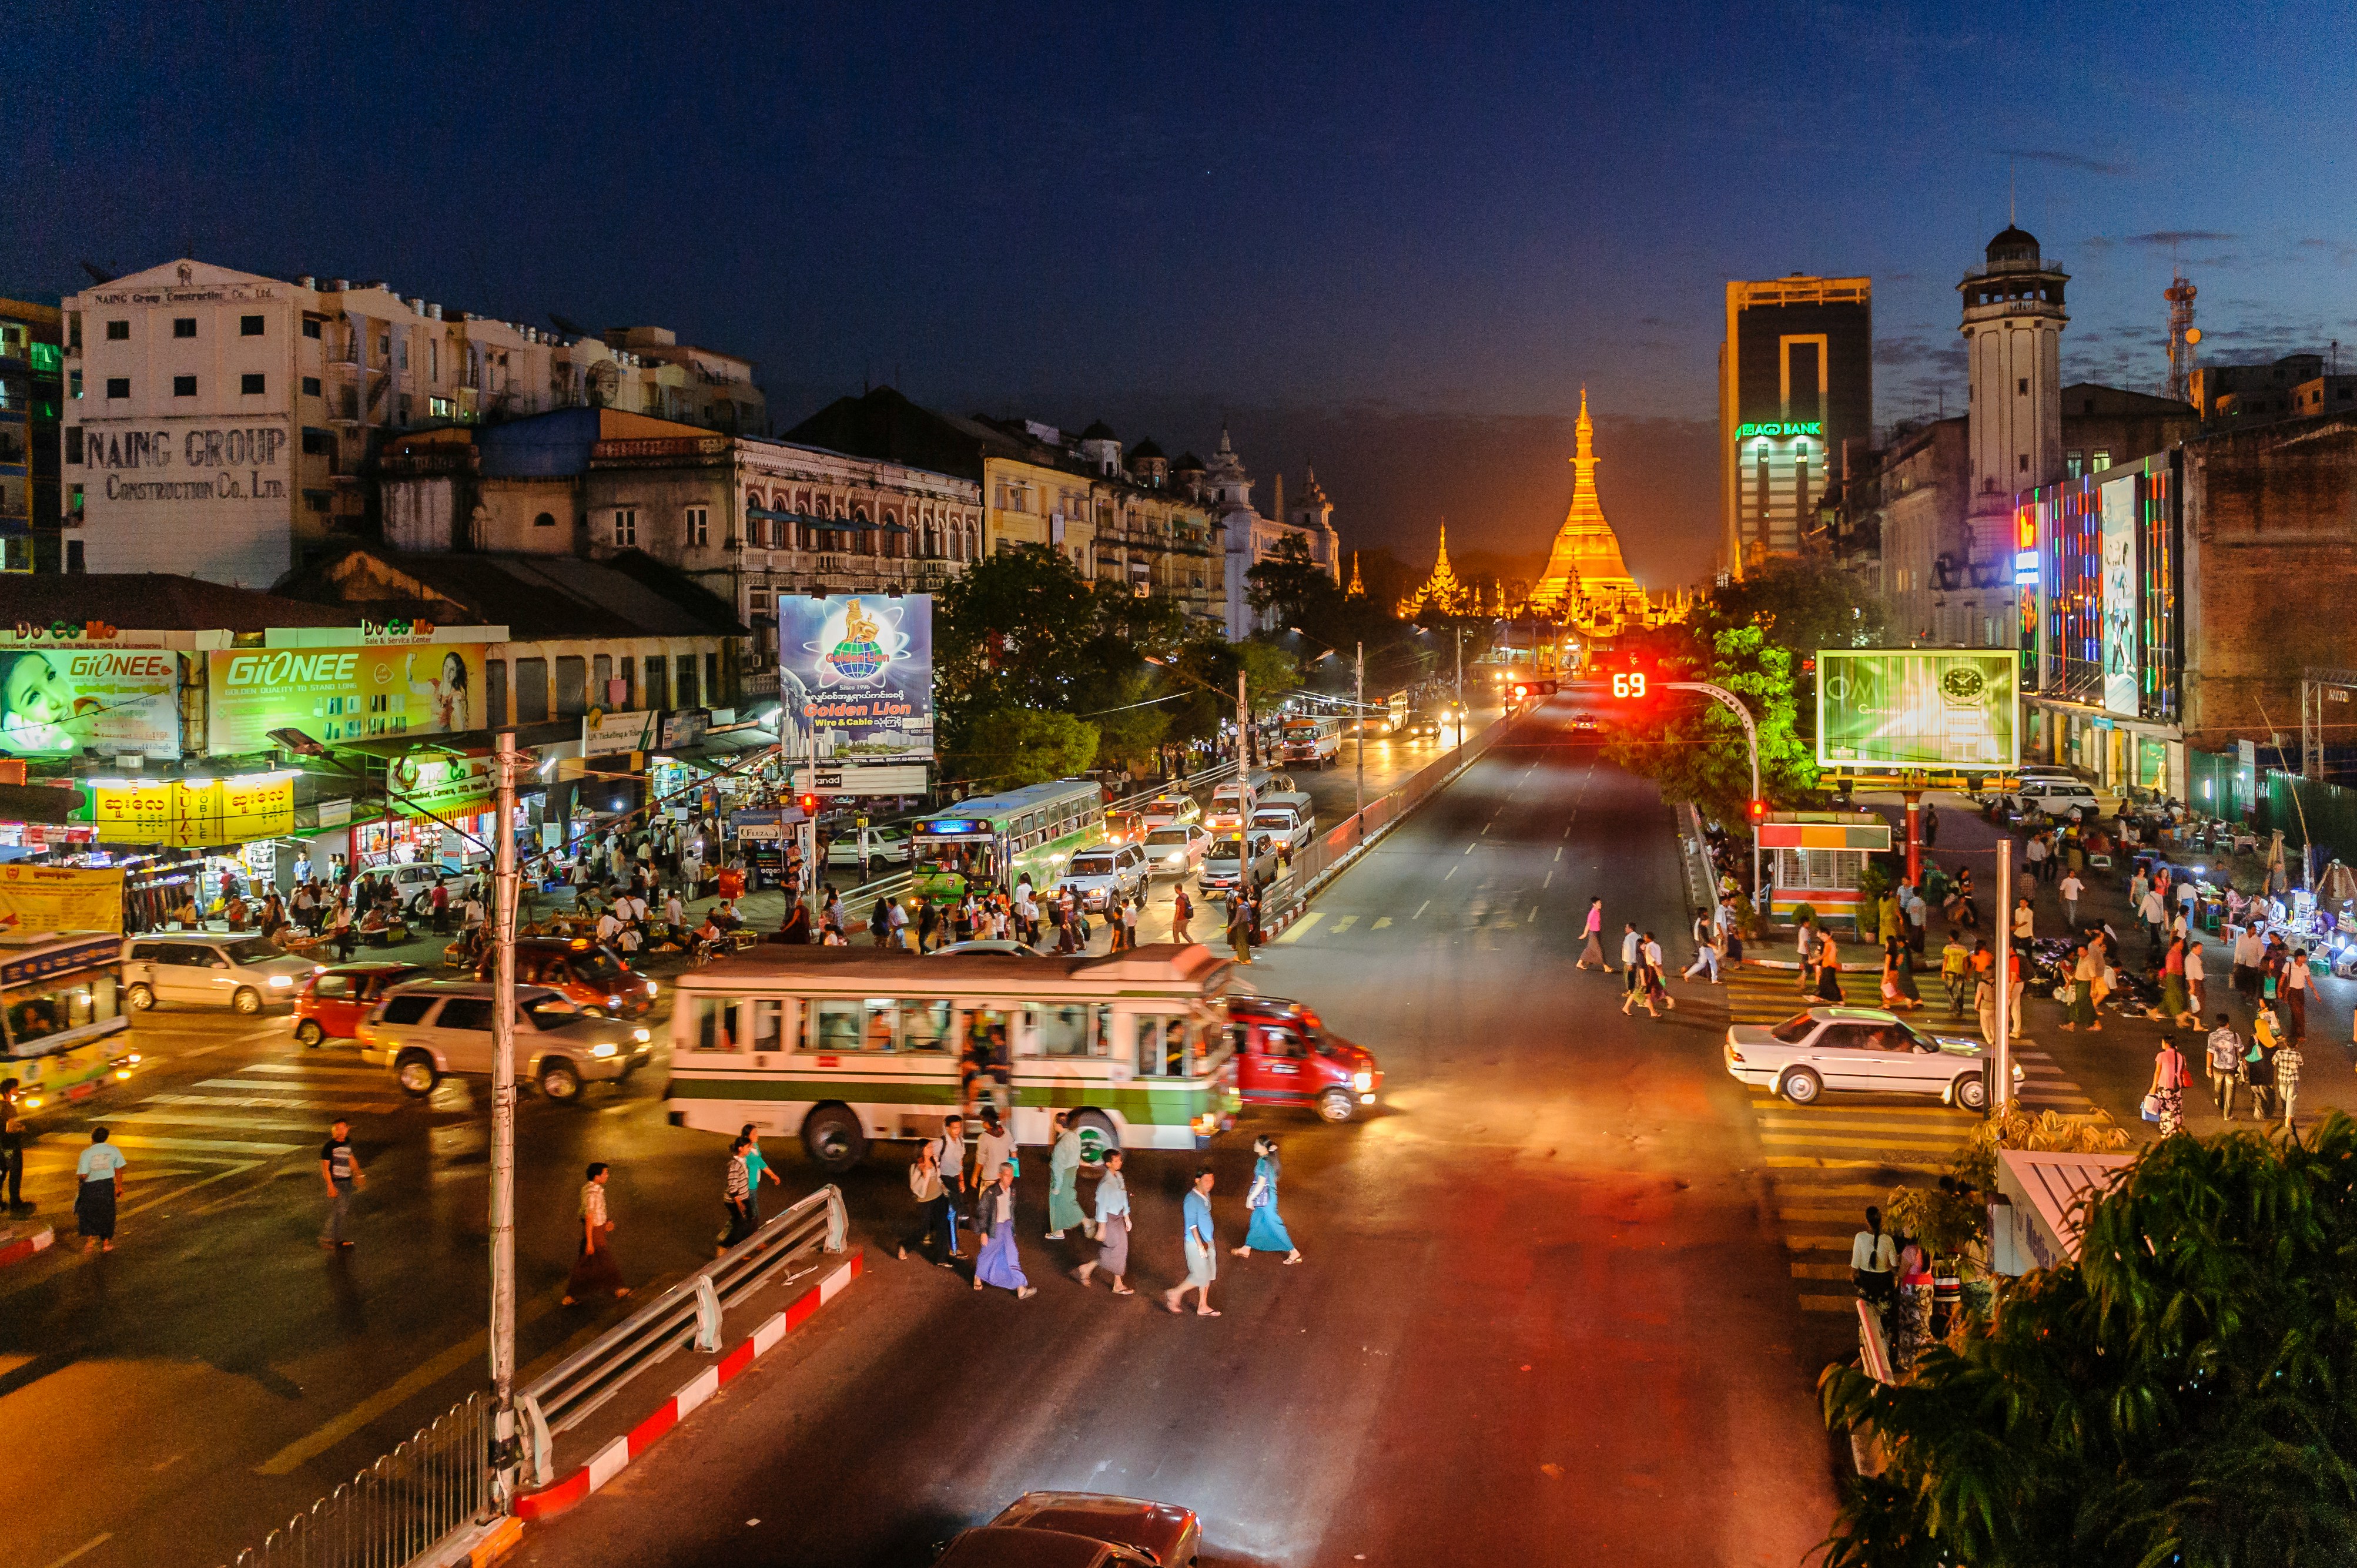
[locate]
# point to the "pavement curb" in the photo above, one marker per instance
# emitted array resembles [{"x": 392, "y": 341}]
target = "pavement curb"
[
  {"x": 480, "y": 1547},
  {"x": 612, "y": 1459},
  {"x": 16, "y": 1250}
]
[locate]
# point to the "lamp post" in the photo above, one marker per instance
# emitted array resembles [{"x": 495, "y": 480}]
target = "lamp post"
[
  {"x": 503, "y": 1121},
  {"x": 1359, "y": 711}
]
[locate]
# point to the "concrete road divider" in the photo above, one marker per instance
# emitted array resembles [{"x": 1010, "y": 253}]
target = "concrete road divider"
[
  {"x": 17, "y": 1246},
  {"x": 612, "y": 1458}
]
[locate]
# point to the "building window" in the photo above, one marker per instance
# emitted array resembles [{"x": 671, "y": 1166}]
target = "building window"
[
  {"x": 184, "y": 386},
  {"x": 2074, "y": 463},
  {"x": 626, "y": 526},
  {"x": 658, "y": 682},
  {"x": 2021, "y": 462},
  {"x": 572, "y": 686},
  {"x": 758, "y": 599},
  {"x": 545, "y": 520},
  {"x": 317, "y": 443},
  {"x": 710, "y": 675},
  {"x": 317, "y": 500},
  {"x": 250, "y": 385},
  {"x": 406, "y": 408},
  {"x": 74, "y": 558},
  {"x": 310, "y": 386},
  {"x": 118, "y": 386},
  {"x": 2021, "y": 387},
  {"x": 184, "y": 326},
  {"x": 688, "y": 696},
  {"x": 601, "y": 680},
  {"x": 495, "y": 691},
  {"x": 629, "y": 681},
  {"x": 249, "y": 326},
  {"x": 310, "y": 328},
  {"x": 532, "y": 691},
  {"x": 118, "y": 332},
  {"x": 73, "y": 445},
  {"x": 698, "y": 525},
  {"x": 2102, "y": 461}
]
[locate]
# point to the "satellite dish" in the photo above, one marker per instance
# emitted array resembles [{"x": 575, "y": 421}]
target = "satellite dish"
[{"x": 2194, "y": 335}]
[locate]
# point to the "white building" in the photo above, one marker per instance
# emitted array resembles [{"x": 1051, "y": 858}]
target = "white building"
[
  {"x": 218, "y": 423},
  {"x": 1252, "y": 538}
]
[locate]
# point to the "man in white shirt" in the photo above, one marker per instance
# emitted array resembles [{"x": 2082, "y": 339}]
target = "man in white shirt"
[
  {"x": 608, "y": 928},
  {"x": 2071, "y": 889},
  {"x": 2154, "y": 917}
]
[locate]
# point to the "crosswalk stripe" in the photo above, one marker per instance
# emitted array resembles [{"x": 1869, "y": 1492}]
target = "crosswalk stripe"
[
  {"x": 141, "y": 1140},
  {"x": 262, "y": 1102},
  {"x": 1817, "y": 1243},
  {"x": 1827, "y": 1161},
  {"x": 1788, "y": 1108},
  {"x": 197, "y": 1119},
  {"x": 1821, "y": 1270},
  {"x": 277, "y": 1086},
  {"x": 1819, "y": 1215},
  {"x": 1860, "y": 1143},
  {"x": 311, "y": 1070},
  {"x": 1792, "y": 1185},
  {"x": 1845, "y": 1304}
]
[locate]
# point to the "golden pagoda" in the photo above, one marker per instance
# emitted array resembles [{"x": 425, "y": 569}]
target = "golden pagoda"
[
  {"x": 1441, "y": 593},
  {"x": 1586, "y": 581},
  {"x": 1357, "y": 590}
]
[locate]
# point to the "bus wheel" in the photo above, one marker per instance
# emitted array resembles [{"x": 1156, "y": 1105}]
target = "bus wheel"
[
  {"x": 832, "y": 1135},
  {"x": 1098, "y": 1135}
]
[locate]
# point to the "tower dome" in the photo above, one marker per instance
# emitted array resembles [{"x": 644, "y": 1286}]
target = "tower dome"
[{"x": 2014, "y": 244}]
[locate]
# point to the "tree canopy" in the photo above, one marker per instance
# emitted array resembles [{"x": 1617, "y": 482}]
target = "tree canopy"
[{"x": 2186, "y": 1393}]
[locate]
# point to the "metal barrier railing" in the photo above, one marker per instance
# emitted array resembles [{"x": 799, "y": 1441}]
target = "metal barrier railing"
[
  {"x": 686, "y": 1317},
  {"x": 399, "y": 1509}
]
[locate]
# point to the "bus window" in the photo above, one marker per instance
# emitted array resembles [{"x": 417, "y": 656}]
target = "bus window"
[
  {"x": 716, "y": 1030},
  {"x": 842, "y": 1025},
  {"x": 1161, "y": 1047},
  {"x": 1062, "y": 1031},
  {"x": 924, "y": 1026},
  {"x": 883, "y": 1013},
  {"x": 768, "y": 1026}
]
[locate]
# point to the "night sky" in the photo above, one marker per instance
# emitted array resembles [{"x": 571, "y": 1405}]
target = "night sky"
[{"x": 1395, "y": 241}]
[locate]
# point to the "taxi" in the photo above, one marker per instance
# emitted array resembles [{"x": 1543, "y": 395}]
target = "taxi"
[
  {"x": 593, "y": 978},
  {"x": 333, "y": 1001},
  {"x": 1285, "y": 1056}
]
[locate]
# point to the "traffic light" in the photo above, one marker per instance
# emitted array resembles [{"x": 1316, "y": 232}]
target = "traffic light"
[
  {"x": 810, "y": 807},
  {"x": 1758, "y": 811}
]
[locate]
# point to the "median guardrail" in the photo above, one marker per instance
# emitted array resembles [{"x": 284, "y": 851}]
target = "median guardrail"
[{"x": 686, "y": 1317}]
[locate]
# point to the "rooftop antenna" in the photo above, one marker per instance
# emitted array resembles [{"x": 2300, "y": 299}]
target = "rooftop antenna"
[
  {"x": 2182, "y": 335},
  {"x": 2012, "y": 185}
]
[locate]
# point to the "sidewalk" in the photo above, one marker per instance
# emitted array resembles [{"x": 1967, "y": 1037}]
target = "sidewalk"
[{"x": 1965, "y": 839}]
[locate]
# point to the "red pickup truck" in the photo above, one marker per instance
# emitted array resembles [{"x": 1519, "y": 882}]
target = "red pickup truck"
[{"x": 1287, "y": 1056}]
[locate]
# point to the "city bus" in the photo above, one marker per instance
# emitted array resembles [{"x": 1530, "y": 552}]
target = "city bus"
[
  {"x": 61, "y": 1014},
  {"x": 1314, "y": 737},
  {"x": 848, "y": 1047},
  {"x": 1000, "y": 841}
]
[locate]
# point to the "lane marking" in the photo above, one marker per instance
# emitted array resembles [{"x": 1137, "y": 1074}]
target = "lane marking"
[
  {"x": 98, "y": 1540},
  {"x": 1558, "y": 854},
  {"x": 1549, "y": 882},
  {"x": 1828, "y": 1163},
  {"x": 1380, "y": 921},
  {"x": 1342, "y": 925},
  {"x": 1292, "y": 933},
  {"x": 1420, "y": 908},
  {"x": 1891, "y": 1141},
  {"x": 141, "y": 1140},
  {"x": 1452, "y": 871},
  {"x": 425, "y": 1376},
  {"x": 195, "y": 1119},
  {"x": 1469, "y": 848}
]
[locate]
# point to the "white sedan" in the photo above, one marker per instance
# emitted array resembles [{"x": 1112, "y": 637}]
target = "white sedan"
[
  {"x": 1176, "y": 848},
  {"x": 1863, "y": 1049}
]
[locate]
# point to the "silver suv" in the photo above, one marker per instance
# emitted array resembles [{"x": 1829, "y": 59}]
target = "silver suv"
[
  {"x": 196, "y": 970},
  {"x": 439, "y": 1027},
  {"x": 1108, "y": 871}
]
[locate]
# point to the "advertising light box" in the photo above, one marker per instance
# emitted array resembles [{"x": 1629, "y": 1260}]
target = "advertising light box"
[
  {"x": 342, "y": 693},
  {"x": 1921, "y": 707},
  {"x": 866, "y": 664}
]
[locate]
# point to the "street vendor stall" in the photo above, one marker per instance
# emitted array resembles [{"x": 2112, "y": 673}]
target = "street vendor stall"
[{"x": 1818, "y": 858}]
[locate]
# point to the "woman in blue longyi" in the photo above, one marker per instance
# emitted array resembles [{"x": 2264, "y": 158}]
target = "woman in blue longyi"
[{"x": 1266, "y": 1233}]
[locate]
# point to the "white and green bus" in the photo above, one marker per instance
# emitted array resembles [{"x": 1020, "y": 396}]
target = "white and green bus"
[
  {"x": 997, "y": 841},
  {"x": 846, "y": 1046}
]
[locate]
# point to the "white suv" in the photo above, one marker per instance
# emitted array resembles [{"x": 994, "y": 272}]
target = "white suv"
[
  {"x": 1106, "y": 872},
  {"x": 435, "y": 1027}
]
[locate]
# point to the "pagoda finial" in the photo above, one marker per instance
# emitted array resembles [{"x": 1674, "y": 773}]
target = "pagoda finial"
[{"x": 1357, "y": 590}]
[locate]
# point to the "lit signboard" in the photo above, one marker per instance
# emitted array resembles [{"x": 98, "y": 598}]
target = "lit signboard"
[
  {"x": 2123, "y": 646},
  {"x": 940, "y": 826},
  {"x": 1927, "y": 707},
  {"x": 1780, "y": 428}
]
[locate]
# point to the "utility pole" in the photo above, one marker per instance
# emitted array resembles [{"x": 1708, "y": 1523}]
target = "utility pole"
[
  {"x": 1359, "y": 706},
  {"x": 2000, "y": 1094},
  {"x": 1460, "y": 691},
  {"x": 1243, "y": 757},
  {"x": 809, "y": 823},
  {"x": 503, "y": 1122}
]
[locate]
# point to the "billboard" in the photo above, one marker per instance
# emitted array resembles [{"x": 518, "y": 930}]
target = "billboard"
[
  {"x": 2123, "y": 656},
  {"x": 865, "y": 662},
  {"x": 341, "y": 693},
  {"x": 54, "y": 898},
  {"x": 190, "y": 813},
  {"x": 62, "y": 701},
  {"x": 1922, "y": 707}
]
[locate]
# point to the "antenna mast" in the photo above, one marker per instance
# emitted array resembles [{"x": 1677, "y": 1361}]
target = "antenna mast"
[{"x": 2182, "y": 336}]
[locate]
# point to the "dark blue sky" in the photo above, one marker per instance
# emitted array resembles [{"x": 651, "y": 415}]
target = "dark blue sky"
[{"x": 1393, "y": 241}]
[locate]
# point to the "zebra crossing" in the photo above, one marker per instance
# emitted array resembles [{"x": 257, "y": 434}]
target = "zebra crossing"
[
  {"x": 179, "y": 1141},
  {"x": 1828, "y": 1163}
]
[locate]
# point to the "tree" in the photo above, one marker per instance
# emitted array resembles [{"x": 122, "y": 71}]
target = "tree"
[
  {"x": 1800, "y": 606},
  {"x": 1298, "y": 588},
  {"x": 1015, "y": 631},
  {"x": 1015, "y": 747},
  {"x": 1696, "y": 752},
  {"x": 2186, "y": 1393}
]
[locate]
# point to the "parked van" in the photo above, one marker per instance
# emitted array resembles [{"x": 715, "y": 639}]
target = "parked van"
[
  {"x": 1225, "y": 798},
  {"x": 2053, "y": 798},
  {"x": 200, "y": 969}
]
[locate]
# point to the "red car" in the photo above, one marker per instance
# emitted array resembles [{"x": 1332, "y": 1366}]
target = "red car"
[
  {"x": 1080, "y": 1530},
  {"x": 596, "y": 979},
  {"x": 334, "y": 1000},
  {"x": 1285, "y": 1056}
]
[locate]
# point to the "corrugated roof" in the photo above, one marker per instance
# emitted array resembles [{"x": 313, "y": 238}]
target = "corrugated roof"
[
  {"x": 538, "y": 598},
  {"x": 157, "y": 601}
]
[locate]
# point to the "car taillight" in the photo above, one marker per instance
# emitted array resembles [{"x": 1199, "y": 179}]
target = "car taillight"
[{"x": 1733, "y": 1055}]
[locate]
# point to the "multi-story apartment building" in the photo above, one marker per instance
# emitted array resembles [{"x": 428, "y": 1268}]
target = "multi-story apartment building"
[
  {"x": 31, "y": 382},
  {"x": 223, "y": 423}
]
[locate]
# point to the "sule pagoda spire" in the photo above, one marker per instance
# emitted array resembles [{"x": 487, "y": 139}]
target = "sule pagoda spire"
[{"x": 1586, "y": 579}]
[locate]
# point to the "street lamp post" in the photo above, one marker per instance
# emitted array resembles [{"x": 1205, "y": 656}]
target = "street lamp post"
[
  {"x": 1460, "y": 691},
  {"x": 2001, "y": 1091},
  {"x": 1751, "y": 743},
  {"x": 503, "y": 1122}
]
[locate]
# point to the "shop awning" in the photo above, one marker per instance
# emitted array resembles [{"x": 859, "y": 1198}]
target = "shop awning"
[{"x": 2038, "y": 1231}]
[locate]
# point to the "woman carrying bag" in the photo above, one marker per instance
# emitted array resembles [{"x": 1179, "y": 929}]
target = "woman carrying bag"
[{"x": 2164, "y": 1103}]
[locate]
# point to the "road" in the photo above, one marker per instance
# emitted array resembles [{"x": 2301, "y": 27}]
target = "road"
[{"x": 1547, "y": 1312}]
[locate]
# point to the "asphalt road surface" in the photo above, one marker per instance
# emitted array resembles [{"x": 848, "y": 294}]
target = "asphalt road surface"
[{"x": 1547, "y": 1313}]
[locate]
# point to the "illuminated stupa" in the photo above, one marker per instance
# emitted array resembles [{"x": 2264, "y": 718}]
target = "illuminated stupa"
[
  {"x": 1442, "y": 594},
  {"x": 1586, "y": 581}
]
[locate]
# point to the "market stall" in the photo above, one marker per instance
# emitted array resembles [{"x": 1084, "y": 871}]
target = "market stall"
[{"x": 2038, "y": 1226}]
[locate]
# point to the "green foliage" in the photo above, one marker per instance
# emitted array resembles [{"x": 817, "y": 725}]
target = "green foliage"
[
  {"x": 1694, "y": 748},
  {"x": 1015, "y": 747},
  {"x": 2185, "y": 1394}
]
